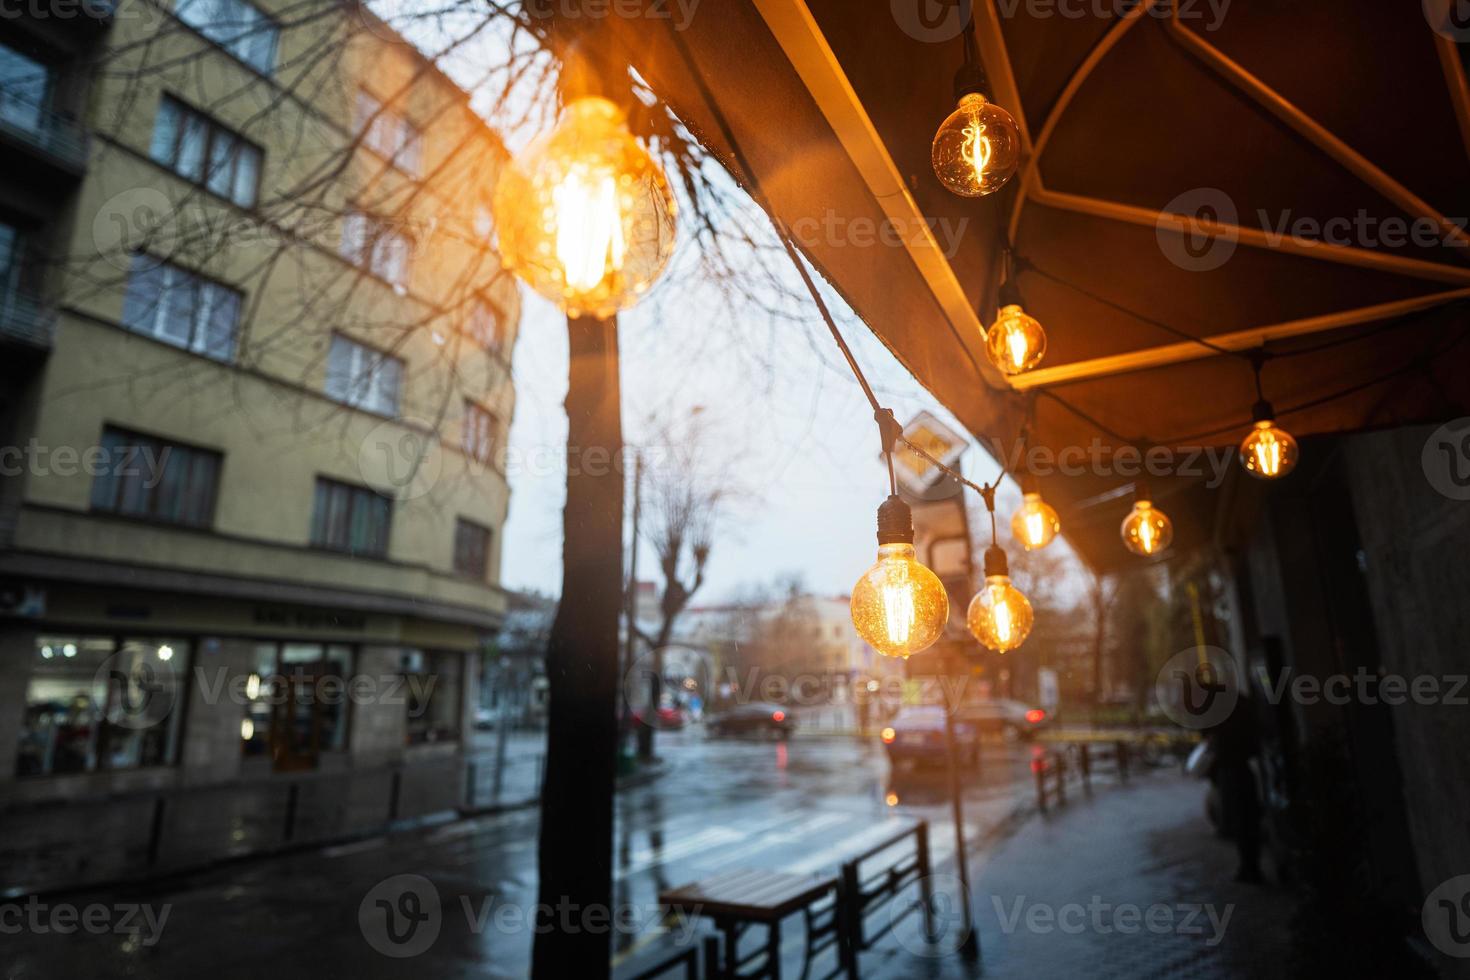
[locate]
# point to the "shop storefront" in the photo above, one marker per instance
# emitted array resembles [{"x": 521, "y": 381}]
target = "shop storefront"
[{"x": 156, "y": 732}]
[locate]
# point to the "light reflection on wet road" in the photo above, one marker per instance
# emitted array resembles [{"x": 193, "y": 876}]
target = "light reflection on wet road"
[{"x": 720, "y": 804}]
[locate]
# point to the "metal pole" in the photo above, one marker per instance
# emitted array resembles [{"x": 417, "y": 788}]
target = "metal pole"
[
  {"x": 970, "y": 948},
  {"x": 630, "y": 599}
]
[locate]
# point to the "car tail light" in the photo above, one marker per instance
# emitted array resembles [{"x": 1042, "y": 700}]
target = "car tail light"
[
  {"x": 888, "y": 735},
  {"x": 1035, "y": 715},
  {"x": 778, "y": 716}
]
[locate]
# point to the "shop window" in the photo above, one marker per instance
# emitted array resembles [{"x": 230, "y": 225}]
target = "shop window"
[
  {"x": 102, "y": 704},
  {"x": 432, "y": 684},
  {"x": 296, "y": 704}
]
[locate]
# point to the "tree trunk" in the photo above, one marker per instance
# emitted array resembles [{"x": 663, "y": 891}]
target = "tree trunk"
[
  {"x": 576, "y": 844},
  {"x": 655, "y": 692}
]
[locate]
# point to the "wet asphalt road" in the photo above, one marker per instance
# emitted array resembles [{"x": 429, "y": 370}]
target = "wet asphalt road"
[{"x": 720, "y": 804}]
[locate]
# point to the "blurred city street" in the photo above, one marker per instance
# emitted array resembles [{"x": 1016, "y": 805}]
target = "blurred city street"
[{"x": 800, "y": 805}]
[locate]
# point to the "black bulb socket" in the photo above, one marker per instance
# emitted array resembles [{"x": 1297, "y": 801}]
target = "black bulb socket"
[
  {"x": 995, "y": 562},
  {"x": 895, "y": 522}
]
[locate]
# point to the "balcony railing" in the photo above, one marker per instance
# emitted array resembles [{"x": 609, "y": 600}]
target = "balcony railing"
[
  {"x": 56, "y": 136},
  {"x": 25, "y": 320}
]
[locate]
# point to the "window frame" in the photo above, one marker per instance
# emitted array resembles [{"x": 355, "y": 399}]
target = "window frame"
[
  {"x": 491, "y": 420},
  {"x": 146, "y": 264},
  {"x": 407, "y": 155},
  {"x": 369, "y": 379},
  {"x": 364, "y": 253},
  {"x": 487, "y": 539},
  {"x": 356, "y": 495},
  {"x": 225, "y": 45},
  {"x": 213, "y": 128},
  {"x": 153, "y": 514}
]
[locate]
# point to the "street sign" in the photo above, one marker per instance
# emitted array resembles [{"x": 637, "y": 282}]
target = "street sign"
[{"x": 916, "y": 475}]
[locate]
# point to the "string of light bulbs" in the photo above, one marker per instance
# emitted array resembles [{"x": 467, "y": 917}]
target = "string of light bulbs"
[{"x": 575, "y": 211}]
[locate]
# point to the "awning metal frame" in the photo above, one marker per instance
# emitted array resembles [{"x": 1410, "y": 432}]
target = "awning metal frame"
[{"x": 1031, "y": 188}]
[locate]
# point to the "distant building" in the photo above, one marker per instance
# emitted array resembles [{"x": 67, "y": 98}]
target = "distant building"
[{"x": 211, "y": 400}]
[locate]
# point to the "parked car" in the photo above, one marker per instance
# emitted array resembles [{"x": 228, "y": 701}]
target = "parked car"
[
  {"x": 758, "y": 717},
  {"x": 916, "y": 735},
  {"x": 1011, "y": 720},
  {"x": 667, "y": 719}
]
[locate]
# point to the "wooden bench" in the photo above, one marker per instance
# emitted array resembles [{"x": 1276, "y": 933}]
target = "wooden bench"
[{"x": 737, "y": 900}]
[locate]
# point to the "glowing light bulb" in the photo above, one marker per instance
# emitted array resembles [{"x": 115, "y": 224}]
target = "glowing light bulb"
[
  {"x": 977, "y": 148},
  {"x": 165, "y": 653},
  {"x": 1268, "y": 452},
  {"x": 1147, "y": 530},
  {"x": 1000, "y": 615},
  {"x": 247, "y": 730},
  {"x": 899, "y": 607},
  {"x": 585, "y": 215},
  {"x": 1016, "y": 341},
  {"x": 1035, "y": 523}
]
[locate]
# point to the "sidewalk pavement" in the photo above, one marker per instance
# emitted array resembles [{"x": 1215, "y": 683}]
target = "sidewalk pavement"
[{"x": 1131, "y": 883}]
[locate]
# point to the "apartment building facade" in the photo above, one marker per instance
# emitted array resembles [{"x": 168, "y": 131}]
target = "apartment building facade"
[{"x": 254, "y": 392}]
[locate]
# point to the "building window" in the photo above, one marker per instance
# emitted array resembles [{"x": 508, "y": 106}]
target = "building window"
[
  {"x": 202, "y": 151},
  {"x": 485, "y": 326},
  {"x": 388, "y": 134},
  {"x": 101, "y": 704},
  {"x": 362, "y": 377},
  {"x": 25, "y": 88},
  {"x": 350, "y": 519},
  {"x": 471, "y": 549},
  {"x": 432, "y": 682},
  {"x": 180, "y": 308},
  {"x": 477, "y": 435},
  {"x": 296, "y": 703},
  {"x": 163, "y": 481},
  {"x": 234, "y": 25},
  {"x": 377, "y": 245}
]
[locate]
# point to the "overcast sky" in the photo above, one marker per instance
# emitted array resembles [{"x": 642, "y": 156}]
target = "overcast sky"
[{"x": 778, "y": 401}]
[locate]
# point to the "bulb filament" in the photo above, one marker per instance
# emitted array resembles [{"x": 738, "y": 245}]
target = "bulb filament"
[
  {"x": 1034, "y": 528},
  {"x": 898, "y": 606},
  {"x": 1146, "y": 535},
  {"x": 976, "y": 148},
  {"x": 1268, "y": 454},
  {"x": 1002, "y": 613},
  {"x": 589, "y": 230}
]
